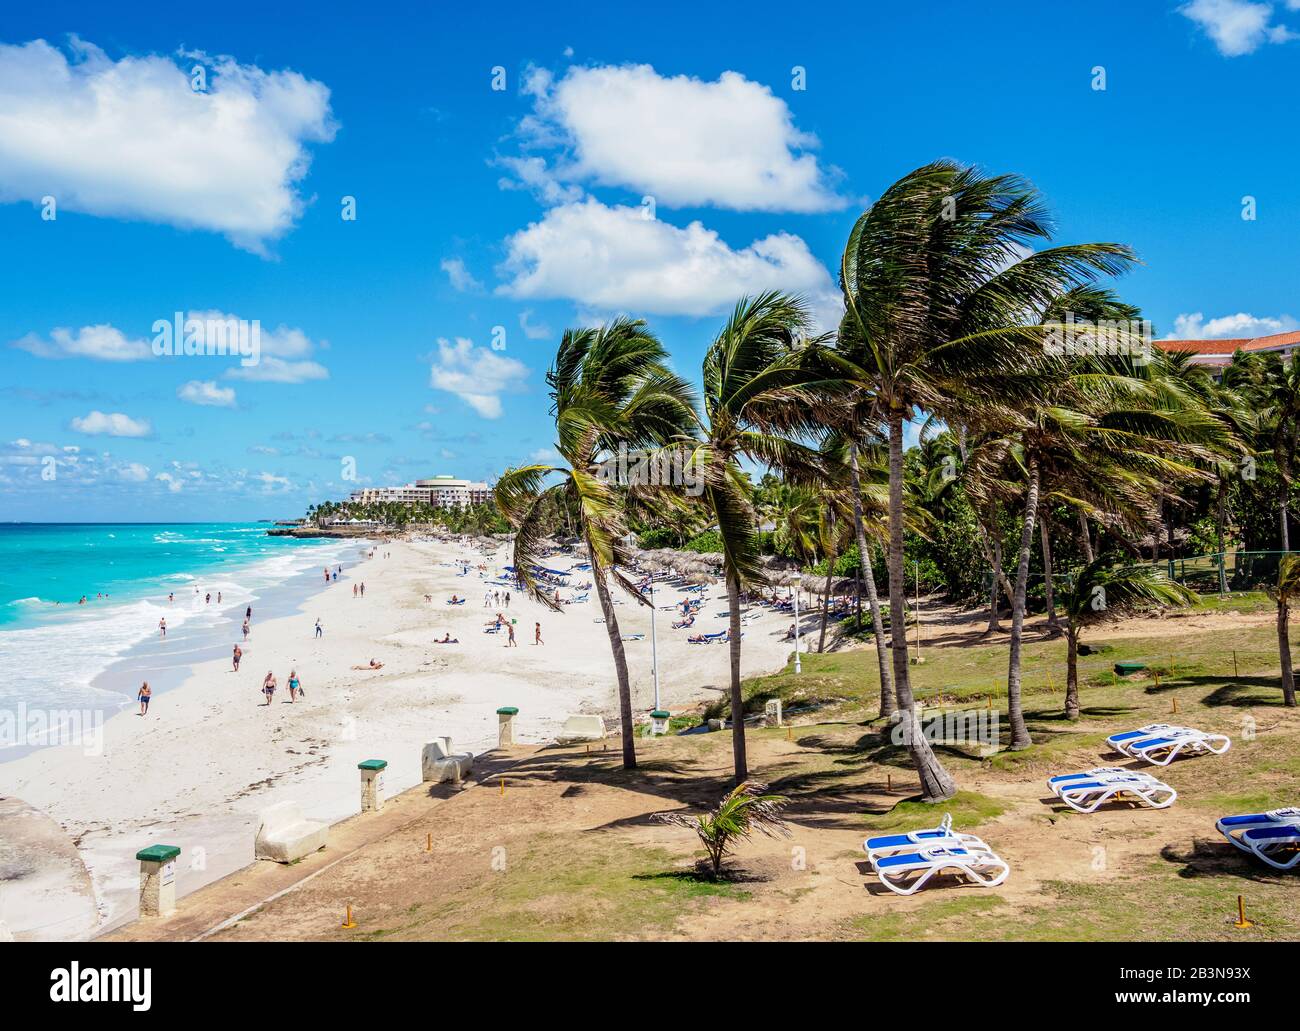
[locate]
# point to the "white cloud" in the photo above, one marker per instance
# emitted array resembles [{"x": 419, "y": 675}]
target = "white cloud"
[
  {"x": 1195, "y": 326},
  {"x": 532, "y": 330},
  {"x": 534, "y": 175},
  {"x": 131, "y": 139},
  {"x": 173, "y": 484},
  {"x": 477, "y": 375},
  {"x": 285, "y": 351},
  {"x": 731, "y": 143},
  {"x": 206, "y": 392},
  {"x": 614, "y": 259},
  {"x": 113, "y": 424},
  {"x": 102, "y": 342},
  {"x": 544, "y": 454},
  {"x": 134, "y": 472},
  {"x": 1238, "y": 27},
  {"x": 460, "y": 277},
  {"x": 273, "y": 484}
]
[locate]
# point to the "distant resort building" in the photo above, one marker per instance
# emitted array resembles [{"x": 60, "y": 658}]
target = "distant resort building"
[
  {"x": 1218, "y": 353},
  {"x": 439, "y": 492}
]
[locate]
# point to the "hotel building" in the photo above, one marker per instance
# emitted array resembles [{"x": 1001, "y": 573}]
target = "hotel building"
[{"x": 439, "y": 492}]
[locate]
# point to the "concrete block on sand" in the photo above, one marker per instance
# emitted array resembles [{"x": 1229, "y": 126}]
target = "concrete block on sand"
[
  {"x": 439, "y": 764},
  {"x": 284, "y": 835},
  {"x": 581, "y": 728}
]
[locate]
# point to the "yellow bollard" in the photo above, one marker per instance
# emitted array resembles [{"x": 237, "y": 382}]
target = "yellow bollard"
[
  {"x": 1242, "y": 923},
  {"x": 1157, "y": 672},
  {"x": 1234, "y": 663},
  {"x": 503, "y": 787},
  {"x": 349, "y": 922},
  {"x": 889, "y": 781},
  {"x": 1175, "y": 703},
  {"x": 789, "y": 733},
  {"x": 428, "y": 845}
]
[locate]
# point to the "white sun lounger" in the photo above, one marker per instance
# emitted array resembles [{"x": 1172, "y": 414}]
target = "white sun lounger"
[
  {"x": 1163, "y": 745},
  {"x": 1278, "y": 846},
  {"x": 1236, "y": 828},
  {"x": 942, "y": 836},
  {"x": 1087, "y": 792},
  {"x": 980, "y": 865}
]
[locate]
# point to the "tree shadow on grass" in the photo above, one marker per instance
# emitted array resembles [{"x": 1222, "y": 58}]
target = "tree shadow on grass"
[
  {"x": 1246, "y": 692},
  {"x": 1207, "y": 857}
]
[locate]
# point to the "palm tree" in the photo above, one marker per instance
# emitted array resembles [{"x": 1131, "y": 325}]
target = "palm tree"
[
  {"x": 610, "y": 388},
  {"x": 1273, "y": 383},
  {"x": 762, "y": 396},
  {"x": 1285, "y": 593},
  {"x": 936, "y": 284},
  {"x": 1100, "y": 588}
]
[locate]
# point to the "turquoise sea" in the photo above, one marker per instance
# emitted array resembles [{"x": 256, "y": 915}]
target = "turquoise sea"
[{"x": 57, "y": 653}]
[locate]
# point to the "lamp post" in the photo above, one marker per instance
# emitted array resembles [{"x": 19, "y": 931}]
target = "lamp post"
[
  {"x": 654, "y": 645},
  {"x": 798, "y": 668}
]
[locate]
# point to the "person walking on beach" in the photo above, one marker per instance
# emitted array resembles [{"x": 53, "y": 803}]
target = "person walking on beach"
[
  {"x": 537, "y": 634},
  {"x": 295, "y": 686},
  {"x": 162, "y": 627},
  {"x": 354, "y": 590},
  {"x": 268, "y": 686},
  {"x": 248, "y": 614},
  {"x": 510, "y": 630},
  {"x": 245, "y": 630},
  {"x": 235, "y": 657},
  {"x": 363, "y": 588},
  {"x": 144, "y": 696},
  {"x": 507, "y": 599},
  {"x": 319, "y": 629}
]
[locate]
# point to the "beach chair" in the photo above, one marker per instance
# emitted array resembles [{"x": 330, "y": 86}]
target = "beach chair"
[
  {"x": 634, "y": 637},
  {"x": 1163, "y": 745},
  {"x": 1262, "y": 833},
  {"x": 942, "y": 836},
  {"x": 721, "y": 635},
  {"x": 981, "y": 865},
  {"x": 1089, "y": 791}
]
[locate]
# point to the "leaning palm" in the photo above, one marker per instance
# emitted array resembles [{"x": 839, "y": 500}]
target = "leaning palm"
[
  {"x": 1286, "y": 594},
  {"x": 1100, "y": 589},
  {"x": 610, "y": 390},
  {"x": 762, "y": 397},
  {"x": 742, "y": 811},
  {"x": 936, "y": 286}
]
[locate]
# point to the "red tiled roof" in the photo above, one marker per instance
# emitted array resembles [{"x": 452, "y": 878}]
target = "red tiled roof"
[{"x": 1228, "y": 347}]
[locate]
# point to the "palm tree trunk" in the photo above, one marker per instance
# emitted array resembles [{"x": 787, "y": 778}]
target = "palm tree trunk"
[
  {"x": 994, "y": 623},
  {"x": 1286, "y": 533},
  {"x": 1284, "y": 653},
  {"x": 888, "y": 705},
  {"x": 1219, "y": 521},
  {"x": 826, "y": 600},
  {"x": 620, "y": 659},
  {"x": 1015, "y": 714},
  {"x": 936, "y": 783},
  {"x": 737, "y": 703},
  {"x": 1085, "y": 538},
  {"x": 1071, "y": 670},
  {"x": 1047, "y": 572}
]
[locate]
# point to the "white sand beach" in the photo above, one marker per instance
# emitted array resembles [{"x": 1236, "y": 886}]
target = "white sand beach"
[{"x": 210, "y": 754}]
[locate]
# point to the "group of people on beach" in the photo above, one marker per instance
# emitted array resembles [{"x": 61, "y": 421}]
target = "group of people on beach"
[
  {"x": 269, "y": 685},
  {"x": 491, "y": 598}
]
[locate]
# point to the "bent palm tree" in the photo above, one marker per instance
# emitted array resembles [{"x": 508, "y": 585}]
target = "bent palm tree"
[
  {"x": 761, "y": 397},
  {"x": 610, "y": 389},
  {"x": 936, "y": 287},
  {"x": 1099, "y": 588},
  {"x": 1286, "y": 593}
]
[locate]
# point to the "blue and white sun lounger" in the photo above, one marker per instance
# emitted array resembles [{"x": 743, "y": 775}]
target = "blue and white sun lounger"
[
  {"x": 1278, "y": 846},
  {"x": 1089, "y": 791},
  {"x": 1236, "y": 828},
  {"x": 1160, "y": 744},
  {"x": 981, "y": 865},
  {"x": 942, "y": 836}
]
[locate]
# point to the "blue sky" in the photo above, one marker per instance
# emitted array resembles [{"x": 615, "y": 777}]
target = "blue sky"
[{"x": 522, "y": 208}]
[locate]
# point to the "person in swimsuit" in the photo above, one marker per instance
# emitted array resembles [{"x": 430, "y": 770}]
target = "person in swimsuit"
[
  {"x": 510, "y": 629},
  {"x": 162, "y": 627},
  {"x": 319, "y": 629},
  {"x": 268, "y": 686},
  {"x": 537, "y": 634},
  {"x": 144, "y": 696},
  {"x": 245, "y": 630},
  {"x": 295, "y": 687},
  {"x": 234, "y": 658}
]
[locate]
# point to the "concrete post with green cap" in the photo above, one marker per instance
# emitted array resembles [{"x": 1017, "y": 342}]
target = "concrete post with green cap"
[
  {"x": 372, "y": 784},
  {"x": 158, "y": 880},
  {"x": 506, "y": 725},
  {"x": 659, "y": 721}
]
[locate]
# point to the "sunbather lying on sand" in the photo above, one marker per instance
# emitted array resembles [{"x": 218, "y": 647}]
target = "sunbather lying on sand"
[
  {"x": 448, "y": 640},
  {"x": 373, "y": 665}
]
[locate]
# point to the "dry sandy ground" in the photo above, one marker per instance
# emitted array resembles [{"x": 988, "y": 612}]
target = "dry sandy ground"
[
  {"x": 210, "y": 755},
  {"x": 814, "y": 885}
]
